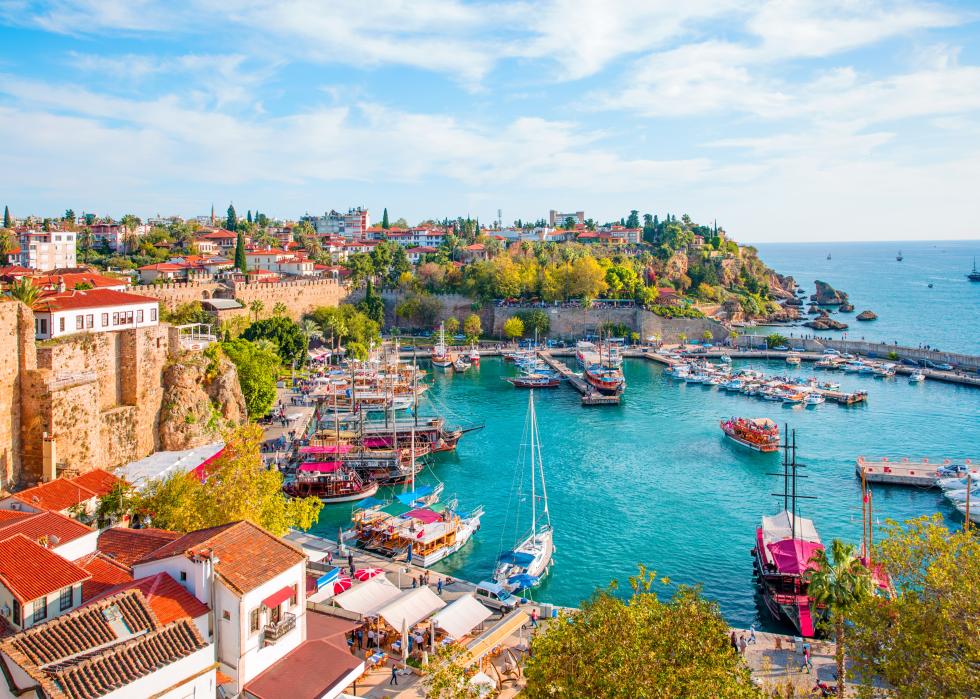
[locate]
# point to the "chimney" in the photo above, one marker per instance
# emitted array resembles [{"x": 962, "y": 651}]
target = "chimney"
[
  {"x": 49, "y": 456},
  {"x": 61, "y": 284}
]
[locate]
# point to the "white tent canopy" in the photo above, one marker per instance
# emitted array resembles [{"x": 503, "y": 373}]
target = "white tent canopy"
[
  {"x": 462, "y": 616},
  {"x": 780, "y": 527},
  {"x": 368, "y": 597},
  {"x": 411, "y": 608},
  {"x": 162, "y": 464}
]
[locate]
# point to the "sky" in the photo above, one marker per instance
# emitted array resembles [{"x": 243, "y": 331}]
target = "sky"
[{"x": 792, "y": 120}]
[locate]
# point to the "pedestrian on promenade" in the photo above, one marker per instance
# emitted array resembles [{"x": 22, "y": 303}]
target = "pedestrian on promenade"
[
  {"x": 534, "y": 618},
  {"x": 742, "y": 645},
  {"x": 360, "y": 639},
  {"x": 734, "y": 642},
  {"x": 394, "y": 675},
  {"x": 807, "y": 662},
  {"x": 350, "y": 561},
  {"x": 414, "y": 583},
  {"x": 752, "y": 638},
  {"x": 439, "y": 587}
]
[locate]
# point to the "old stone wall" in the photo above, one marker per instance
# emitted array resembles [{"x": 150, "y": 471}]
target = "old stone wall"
[
  {"x": 172, "y": 295},
  {"x": 299, "y": 297},
  {"x": 16, "y": 357},
  {"x": 450, "y": 306}
]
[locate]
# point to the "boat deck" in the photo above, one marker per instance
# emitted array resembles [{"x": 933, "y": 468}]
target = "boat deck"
[
  {"x": 917, "y": 472},
  {"x": 589, "y": 396}
]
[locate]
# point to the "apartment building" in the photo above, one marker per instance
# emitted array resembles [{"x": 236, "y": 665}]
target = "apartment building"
[{"x": 46, "y": 250}]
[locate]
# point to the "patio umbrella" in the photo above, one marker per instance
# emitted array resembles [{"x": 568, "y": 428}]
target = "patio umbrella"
[
  {"x": 523, "y": 581},
  {"x": 404, "y": 639},
  {"x": 342, "y": 584},
  {"x": 367, "y": 573}
]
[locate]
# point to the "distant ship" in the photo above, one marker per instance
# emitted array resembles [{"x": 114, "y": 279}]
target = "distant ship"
[
  {"x": 899, "y": 256},
  {"x": 974, "y": 276},
  {"x": 828, "y": 255}
]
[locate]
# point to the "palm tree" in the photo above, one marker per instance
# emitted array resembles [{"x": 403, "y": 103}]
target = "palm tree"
[
  {"x": 24, "y": 291},
  {"x": 312, "y": 330},
  {"x": 256, "y": 307},
  {"x": 682, "y": 338},
  {"x": 839, "y": 581},
  {"x": 279, "y": 309},
  {"x": 338, "y": 329}
]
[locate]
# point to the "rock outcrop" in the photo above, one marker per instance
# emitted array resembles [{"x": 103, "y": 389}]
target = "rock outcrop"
[
  {"x": 867, "y": 315},
  {"x": 676, "y": 266},
  {"x": 846, "y": 308},
  {"x": 827, "y": 295},
  {"x": 202, "y": 399},
  {"x": 825, "y": 322}
]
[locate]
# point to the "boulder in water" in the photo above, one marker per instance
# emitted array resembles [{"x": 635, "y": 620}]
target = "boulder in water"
[
  {"x": 847, "y": 308},
  {"x": 867, "y": 315},
  {"x": 827, "y": 295}
]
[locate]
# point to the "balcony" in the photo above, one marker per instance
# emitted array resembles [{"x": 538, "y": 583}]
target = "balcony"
[{"x": 275, "y": 630}]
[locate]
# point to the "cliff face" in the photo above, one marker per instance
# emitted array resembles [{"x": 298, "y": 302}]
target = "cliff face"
[{"x": 200, "y": 400}]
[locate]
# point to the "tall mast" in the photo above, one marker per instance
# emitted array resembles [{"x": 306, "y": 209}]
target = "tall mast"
[
  {"x": 544, "y": 489},
  {"x": 533, "y": 429},
  {"x": 413, "y": 457}
]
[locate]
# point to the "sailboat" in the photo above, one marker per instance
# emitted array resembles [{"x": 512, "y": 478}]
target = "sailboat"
[
  {"x": 974, "y": 276},
  {"x": 528, "y": 562},
  {"x": 440, "y": 355},
  {"x": 899, "y": 256},
  {"x": 828, "y": 255}
]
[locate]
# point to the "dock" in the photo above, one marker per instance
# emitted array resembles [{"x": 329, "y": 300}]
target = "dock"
[
  {"x": 589, "y": 395},
  {"x": 905, "y": 471}
]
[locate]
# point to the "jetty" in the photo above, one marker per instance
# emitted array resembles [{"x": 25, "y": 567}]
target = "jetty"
[
  {"x": 589, "y": 395},
  {"x": 918, "y": 472}
]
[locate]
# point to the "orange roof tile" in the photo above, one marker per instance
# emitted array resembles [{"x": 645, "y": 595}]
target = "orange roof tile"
[
  {"x": 30, "y": 571},
  {"x": 248, "y": 554},
  {"x": 168, "y": 600},
  {"x": 126, "y": 546},
  {"x": 56, "y": 495},
  {"x": 106, "y": 574},
  {"x": 98, "y": 481},
  {"x": 45, "y": 525},
  {"x": 7, "y": 516}
]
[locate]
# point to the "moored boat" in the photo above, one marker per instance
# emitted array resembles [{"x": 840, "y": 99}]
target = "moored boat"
[
  {"x": 460, "y": 365},
  {"x": 608, "y": 381},
  {"x": 917, "y": 376},
  {"x": 440, "y": 354},
  {"x": 759, "y": 434},
  {"x": 330, "y": 481},
  {"x": 533, "y": 381}
]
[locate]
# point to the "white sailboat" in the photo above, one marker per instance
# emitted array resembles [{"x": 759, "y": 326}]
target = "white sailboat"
[
  {"x": 528, "y": 562},
  {"x": 440, "y": 354}
]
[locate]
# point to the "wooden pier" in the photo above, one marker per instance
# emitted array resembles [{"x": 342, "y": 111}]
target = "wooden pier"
[
  {"x": 917, "y": 472},
  {"x": 589, "y": 395}
]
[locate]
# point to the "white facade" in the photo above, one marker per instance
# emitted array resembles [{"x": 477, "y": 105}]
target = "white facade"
[
  {"x": 56, "y": 323},
  {"x": 47, "y": 250},
  {"x": 353, "y": 224},
  {"x": 41, "y": 609}
]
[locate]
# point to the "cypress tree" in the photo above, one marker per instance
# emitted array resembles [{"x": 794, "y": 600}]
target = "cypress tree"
[
  {"x": 384, "y": 219},
  {"x": 248, "y": 216},
  {"x": 6, "y": 217},
  {"x": 231, "y": 223},
  {"x": 240, "y": 262}
]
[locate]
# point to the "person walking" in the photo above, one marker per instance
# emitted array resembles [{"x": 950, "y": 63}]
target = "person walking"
[
  {"x": 734, "y": 642},
  {"x": 350, "y": 561},
  {"x": 534, "y": 618},
  {"x": 394, "y": 675},
  {"x": 752, "y": 639},
  {"x": 439, "y": 587},
  {"x": 742, "y": 644},
  {"x": 807, "y": 662}
]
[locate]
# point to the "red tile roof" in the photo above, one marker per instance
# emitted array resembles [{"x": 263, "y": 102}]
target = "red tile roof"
[
  {"x": 7, "y": 516},
  {"x": 126, "y": 546},
  {"x": 30, "y": 571},
  {"x": 221, "y": 233},
  {"x": 248, "y": 554},
  {"x": 56, "y": 495},
  {"x": 168, "y": 600},
  {"x": 80, "y": 655},
  {"x": 45, "y": 525},
  {"x": 106, "y": 574},
  {"x": 71, "y": 279},
  {"x": 98, "y": 481},
  {"x": 91, "y": 298},
  {"x": 163, "y": 267}
]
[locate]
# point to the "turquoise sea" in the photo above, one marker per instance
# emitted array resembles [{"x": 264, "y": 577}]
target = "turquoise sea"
[
  {"x": 946, "y": 316},
  {"x": 653, "y": 481}
]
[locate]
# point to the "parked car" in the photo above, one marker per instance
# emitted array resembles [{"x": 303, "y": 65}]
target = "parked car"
[
  {"x": 496, "y": 596},
  {"x": 799, "y": 349},
  {"x": 831, "y": 350}
]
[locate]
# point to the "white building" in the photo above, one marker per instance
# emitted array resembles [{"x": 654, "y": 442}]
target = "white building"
[
  {"x": 47, "y": 250},
  {"x": 557, "y": 218},
  {"x": 255, "y": 584},
  {"x": 92, "y": 310},
  {"x": 280, "y": 262},
  {"x": 353, "y": 224}
]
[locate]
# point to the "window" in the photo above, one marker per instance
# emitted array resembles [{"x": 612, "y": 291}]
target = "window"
[
  {"x": 44, "y": 326},
  {"x": 89, "y": 321},
  {"x": 66, "y": 599},
  {"x": 41, "y": 610},
  {"x": 16, "y": 612},
  {"x": 105, "y": 320},
  {"x": 139, "y": 316},
  {"x": 183, "y": 576},
  {"x": 61, "y": 324},
  {"x": 129, "y": 317},
  {"x": 79, "y": 322},
  {"x": 153, "y": 314},
  {"x": 115, "y": 319},
  {"x": 293, "y": 600},
  {"x": 253, "y": 620}
]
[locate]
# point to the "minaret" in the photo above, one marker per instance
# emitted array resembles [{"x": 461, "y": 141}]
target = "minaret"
[{"x": 212, "y": 214}]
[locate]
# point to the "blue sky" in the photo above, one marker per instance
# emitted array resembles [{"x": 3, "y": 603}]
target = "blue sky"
[{"x": 791, "y": 120}]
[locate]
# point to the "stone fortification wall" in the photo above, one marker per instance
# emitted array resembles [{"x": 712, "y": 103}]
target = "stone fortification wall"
[
  {"x": 16, "y": 357},
  {"x": 299, "y": 297},
  {"x": 171, "y": 295},
  {"x": 572, "y": 322},
  {"x": 450, "y": 306}
]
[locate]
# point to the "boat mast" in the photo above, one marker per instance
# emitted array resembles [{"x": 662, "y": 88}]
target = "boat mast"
[
  {"x": 544, "y": 489},
  {"x": 533, "y": 430}
]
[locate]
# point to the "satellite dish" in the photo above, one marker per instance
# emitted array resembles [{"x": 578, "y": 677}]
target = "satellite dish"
[{"x": 54, "y": 540}]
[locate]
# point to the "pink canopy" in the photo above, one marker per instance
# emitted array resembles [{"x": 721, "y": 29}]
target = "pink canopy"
[
  {"x": 424, "y": 515},
  {"x": 328, "y": 449},
  {"x": 319, "y": 466},
  {"x": 375, "y": 442},
  {"x": 792, "y": 556}
]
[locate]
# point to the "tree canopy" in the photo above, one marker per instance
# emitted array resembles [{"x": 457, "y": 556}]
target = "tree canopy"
[
  {"x": 237, "y": 487},
  {"x": 287, "y": 335},
  {"x": 638, "y": 648},
  {"x": 258, "y": 369}
]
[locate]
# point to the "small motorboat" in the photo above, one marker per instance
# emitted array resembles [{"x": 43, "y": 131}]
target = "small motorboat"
[
  {"x": 917, "y": 377},
  {"x": 461, "y": 364},
  {"x": 475, "y": 357},
  {"x": 793, "y": 358},
  {"x": 533, "y": 381},
  {"x": 814, "y": 398}
]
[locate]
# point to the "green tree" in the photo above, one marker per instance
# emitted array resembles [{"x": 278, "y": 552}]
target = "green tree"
[
  {"x": 238, "y": 487},
  {"x": 922, "y": 639},
  {"x": 115, "y": 504},
  {"x": 287, "y": 336},
  {"x": 279, "y": 309},
  {"x": 241, "y": 263},
  {"x": 231, "y": 221},
  {"x": 130, "y": 222},
  {"x": 7, "y": 221},
  {"x": 381, "y": 258},
  {"x": 399, "y": 264},
  {"x": 257, "y": 371},
  {"x": 641, "y": 647},
  {"x": 311, "y": 330},
  {"x": 360, "y": 266},
  {"x": 248, "y": 215},
  {"x": 776, "y": 340},
  {"x": 634, "y": 219},
  {"x": 69, "y": 216},
  {"x": 536, "y": 322},
  {"x": 569, "y": 223},
  {"x": 24, "y": 291},
  {"x": 447, "y": 675},
  {"x": 840, "y": 582},
  {"x": 372, "y": 306},
  {"x": 452, "y": 325},
  {"x": 514, "y": 327},
  {"x": 472, "y": 327},
  {"x": 256, "y": 307},
  {"x": 8, "y": 243},
  {"x": 384, "y": 220},
  {"x": 707, "y": 336}
]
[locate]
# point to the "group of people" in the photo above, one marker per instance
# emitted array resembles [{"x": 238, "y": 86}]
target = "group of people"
[{"x": 740, "y": 643}]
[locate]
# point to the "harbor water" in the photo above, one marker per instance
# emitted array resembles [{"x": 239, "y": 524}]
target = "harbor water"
[
  {"x": 945, "y": 316},
  {"x": 654, "y": 481}
]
